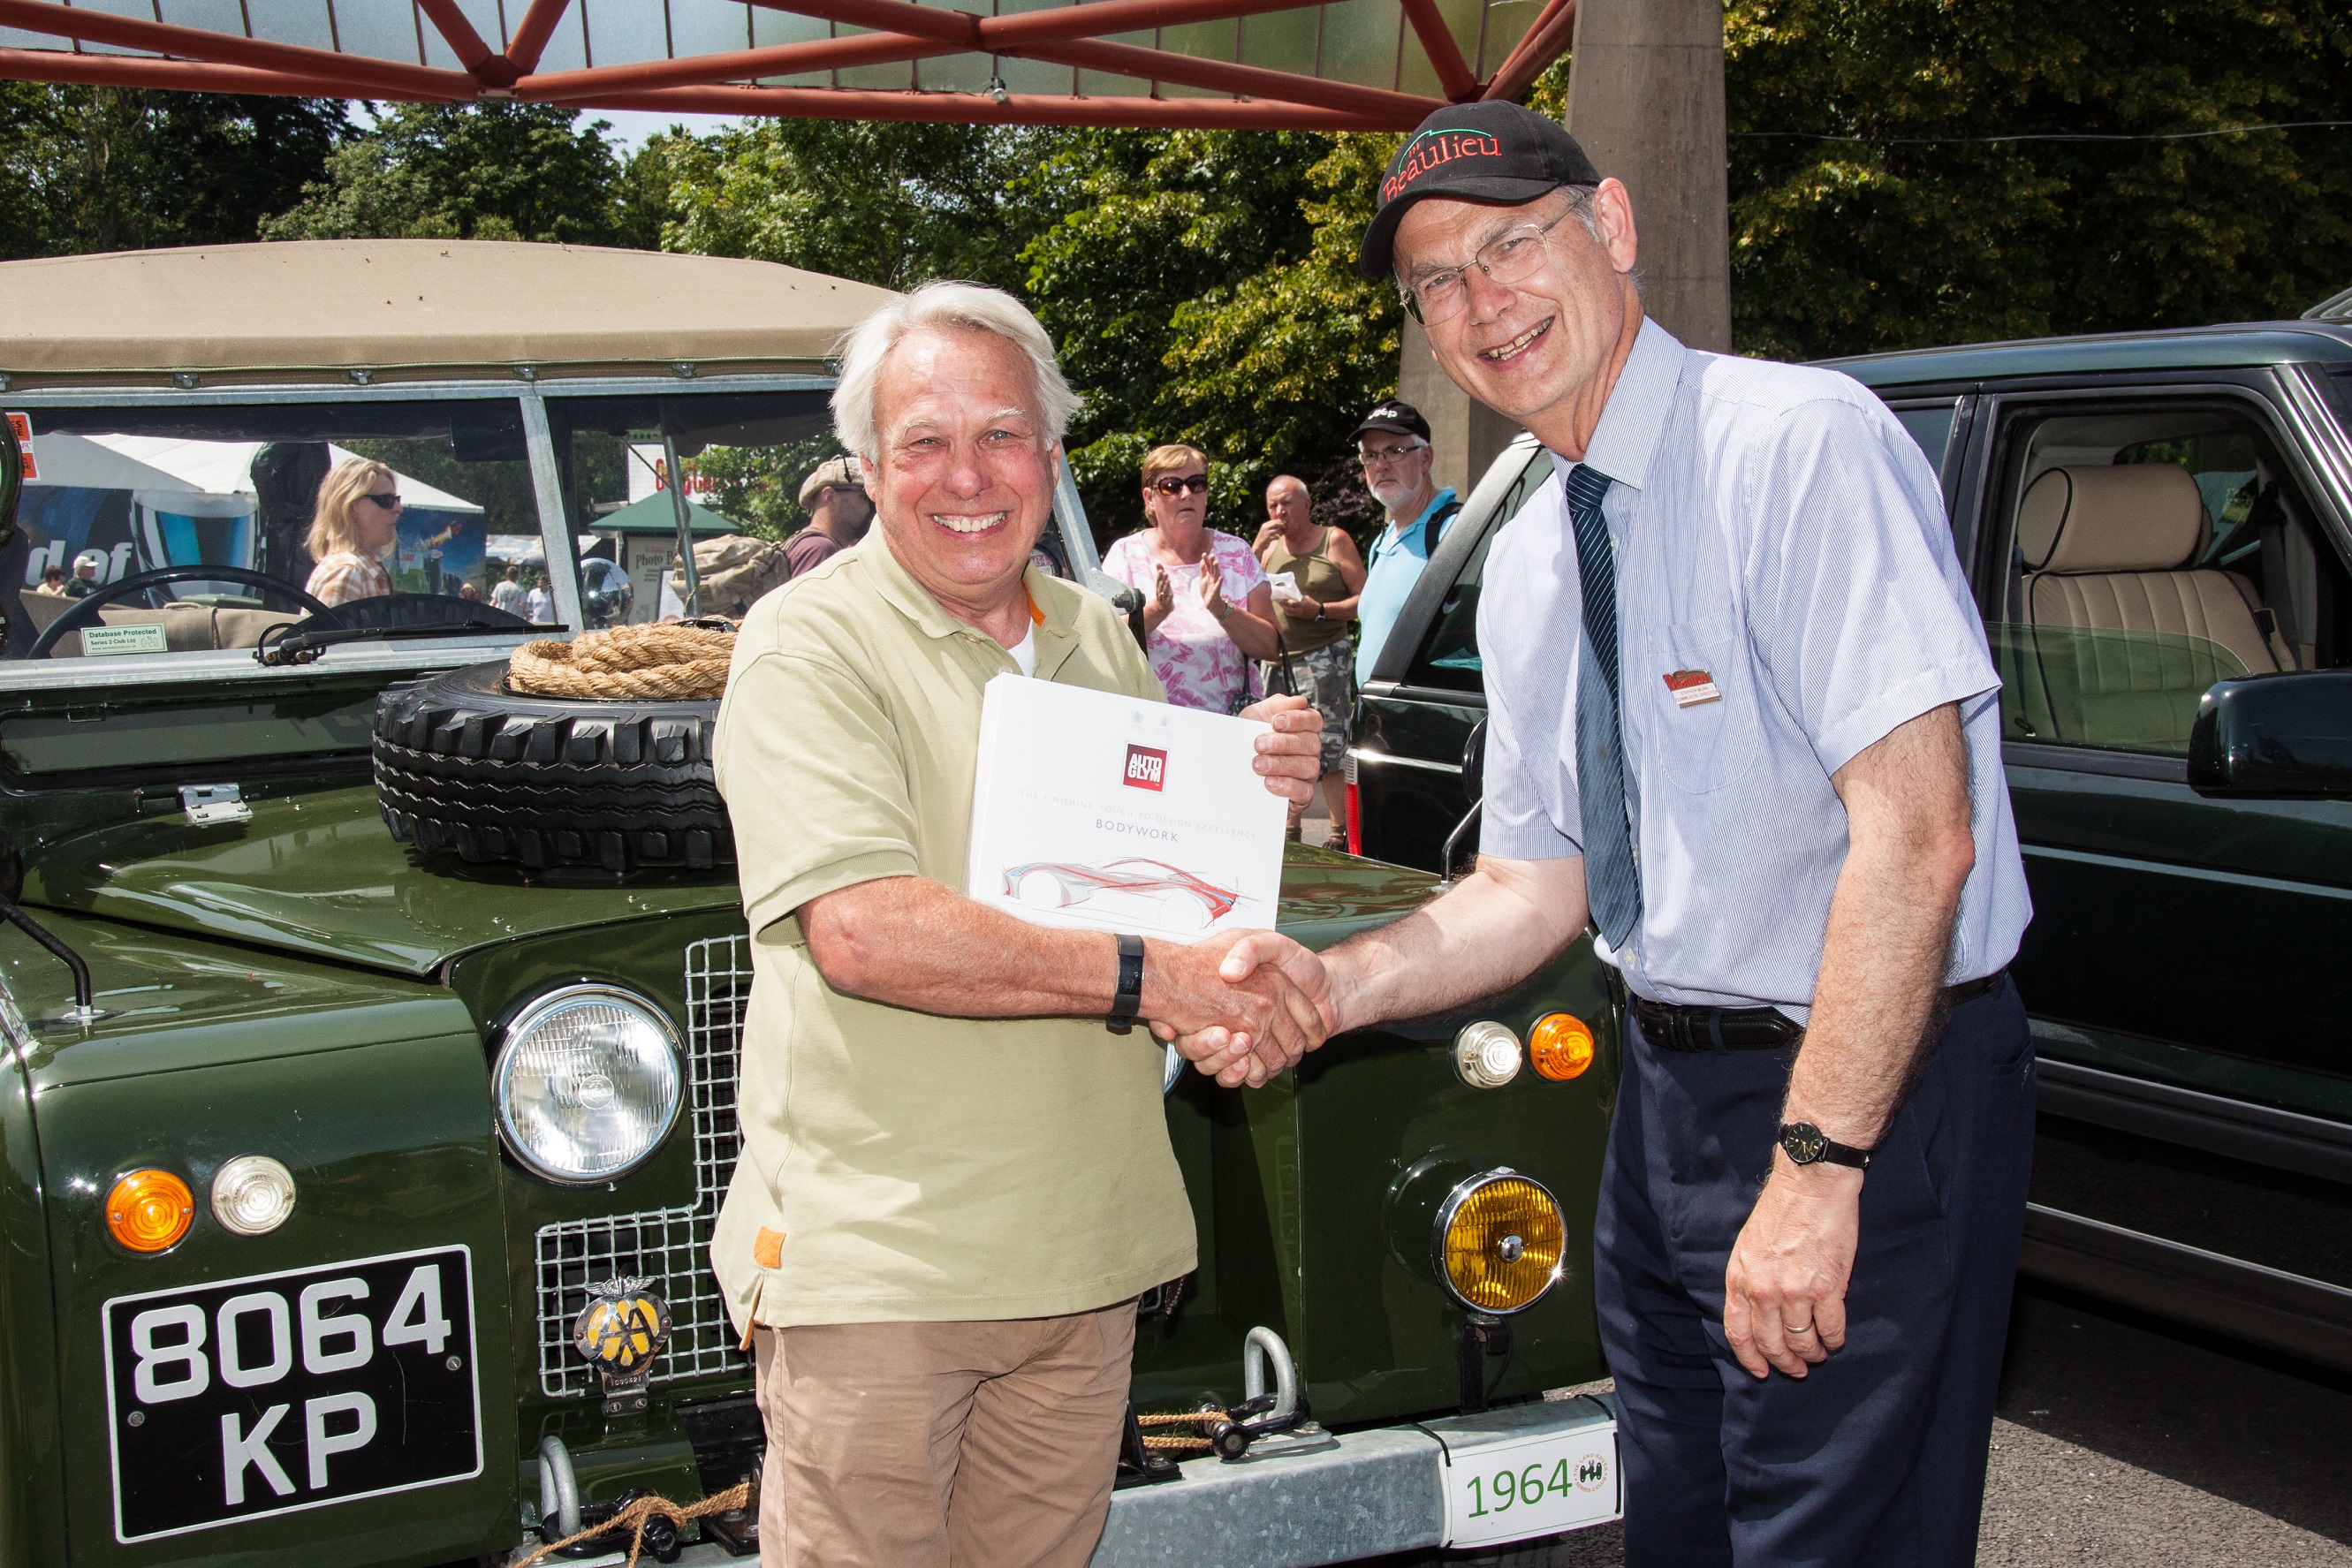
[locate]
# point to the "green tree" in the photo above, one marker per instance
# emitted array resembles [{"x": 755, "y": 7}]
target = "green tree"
[
  {"x": 1914, "y": 232},
  {"x": 476, "y": 170},
  {"x": 1189, "y": 284},
  {"x": 102, "y": 169},
  {"x": 885, "y": 203}
]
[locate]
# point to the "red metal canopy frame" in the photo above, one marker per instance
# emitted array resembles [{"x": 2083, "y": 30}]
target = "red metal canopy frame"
[{"x": 1075, "y": 35}]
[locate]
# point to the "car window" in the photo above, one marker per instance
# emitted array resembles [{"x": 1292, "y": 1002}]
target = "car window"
[
  {"x": 2153, "y": 550},
  {"x": 1931, "y": 427},
  {"x": 168, "y": 533},
  {"x": 2339, "y": 383},
  {"x": 1447, "y": 658},
  {"x": 742, "y": 458}
]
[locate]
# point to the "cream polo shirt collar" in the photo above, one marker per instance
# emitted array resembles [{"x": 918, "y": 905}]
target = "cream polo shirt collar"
[{"x": 1057, "y": 635}]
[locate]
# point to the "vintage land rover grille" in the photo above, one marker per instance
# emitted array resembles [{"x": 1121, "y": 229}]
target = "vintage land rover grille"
[{"x": 668, "y": 1247}]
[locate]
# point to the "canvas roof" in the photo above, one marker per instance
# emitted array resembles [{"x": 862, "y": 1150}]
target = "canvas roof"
[{"x": 393, "y": 307}]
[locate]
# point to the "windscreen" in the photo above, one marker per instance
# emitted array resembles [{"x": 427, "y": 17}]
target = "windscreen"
[{"x": 190, "y": 532}]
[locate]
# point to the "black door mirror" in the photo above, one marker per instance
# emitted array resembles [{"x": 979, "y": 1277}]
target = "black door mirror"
[
  {"x": 12, "y": 479},
  {"x": 2275, "y": 738},
  {"x": 1474, "y": 762}
]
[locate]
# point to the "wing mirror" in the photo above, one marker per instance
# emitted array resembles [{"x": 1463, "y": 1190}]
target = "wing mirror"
[
  {"x": 2275, "y": 738},
  {"x": 12, "y": 479},
  {"x": 1474, "y": 786}
]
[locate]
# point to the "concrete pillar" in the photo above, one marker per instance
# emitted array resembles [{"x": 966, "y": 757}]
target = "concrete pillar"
[
  {"x": 1465, "y": 434},
  {"x": 1645, "y": 100}
]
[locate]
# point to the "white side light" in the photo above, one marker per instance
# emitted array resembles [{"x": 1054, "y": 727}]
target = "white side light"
[
  {"x": 253, "y": 1194},
  {"x": 1487, "y": 1055},
  {"x": 587, "y": 1084}
]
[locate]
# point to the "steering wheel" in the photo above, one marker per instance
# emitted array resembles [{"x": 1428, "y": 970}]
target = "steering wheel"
[{"x": 85, "y": 611}]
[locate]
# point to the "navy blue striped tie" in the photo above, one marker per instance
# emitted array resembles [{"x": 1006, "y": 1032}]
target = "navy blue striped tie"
[{"x": 1612, "y": 881}]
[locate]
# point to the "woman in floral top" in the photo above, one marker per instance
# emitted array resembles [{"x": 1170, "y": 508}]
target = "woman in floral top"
[
  {"x": 355, "y": 524},
  {"x": 1207, "y": 608}
]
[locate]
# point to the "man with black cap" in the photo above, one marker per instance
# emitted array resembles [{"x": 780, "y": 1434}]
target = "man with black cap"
[
  {"x": 1741, "y": 718},
  {"x": 1392, "y": 445}
]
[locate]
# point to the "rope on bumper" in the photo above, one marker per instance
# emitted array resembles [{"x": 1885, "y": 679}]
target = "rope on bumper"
[
  {"x": 633, "y": 1519},
  {"x": 1179, "y": 1444},
  {"x": 664, "y": 660}
]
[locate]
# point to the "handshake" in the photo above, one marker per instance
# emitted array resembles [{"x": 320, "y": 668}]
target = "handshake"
[{"x": 1241, "y": 1007}]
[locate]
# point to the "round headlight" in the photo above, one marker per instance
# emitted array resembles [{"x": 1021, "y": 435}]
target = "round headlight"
[
  {"x": 1499, "y": 1241},
  {"x": 586, "y": 1085}
]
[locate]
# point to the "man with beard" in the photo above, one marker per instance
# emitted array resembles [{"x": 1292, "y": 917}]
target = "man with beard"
[{"x": 1392, "y": 445}]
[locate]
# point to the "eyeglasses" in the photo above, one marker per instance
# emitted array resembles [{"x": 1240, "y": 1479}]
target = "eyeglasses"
[
  {"x": 1511, "y": 256},
  {"x": 1388, "y": 457},
  {"x": 1174, "y": 485},
  {"x": 390, "y": 501}
]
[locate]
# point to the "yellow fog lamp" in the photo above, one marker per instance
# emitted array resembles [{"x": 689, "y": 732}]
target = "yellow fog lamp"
[
  {"x": 1500, "y": 1239},
  {"x": 1561, "y": 1046},
  {"x": 150, "y": 1210}
]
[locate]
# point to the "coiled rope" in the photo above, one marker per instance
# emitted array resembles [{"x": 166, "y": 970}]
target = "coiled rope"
[
  {"x": 633, "y": 1519},
  {"x": 667, "y": 660},
  {"x": 1197, "y": 1445}
]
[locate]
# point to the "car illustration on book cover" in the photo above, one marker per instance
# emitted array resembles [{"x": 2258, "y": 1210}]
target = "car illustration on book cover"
[{"x": 1178, "y": 900}]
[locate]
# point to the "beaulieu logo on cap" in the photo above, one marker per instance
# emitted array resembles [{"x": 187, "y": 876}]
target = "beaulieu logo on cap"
[{"x": 1434, "y": 149}]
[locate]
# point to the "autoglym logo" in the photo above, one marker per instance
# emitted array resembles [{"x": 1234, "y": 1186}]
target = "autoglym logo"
[
  {"x": 1147, "y": 768},
  {"x": 1591, "y": 1472}
]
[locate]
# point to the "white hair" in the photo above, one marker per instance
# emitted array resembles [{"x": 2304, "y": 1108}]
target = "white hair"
[{"x": 863, "y": 351}]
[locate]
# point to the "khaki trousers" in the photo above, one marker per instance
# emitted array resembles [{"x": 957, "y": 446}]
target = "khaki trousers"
[{"x": 947, "y": 1445}]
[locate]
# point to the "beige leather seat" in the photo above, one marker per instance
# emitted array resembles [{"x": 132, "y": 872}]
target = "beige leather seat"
[{"x": 2124, "y": 634}]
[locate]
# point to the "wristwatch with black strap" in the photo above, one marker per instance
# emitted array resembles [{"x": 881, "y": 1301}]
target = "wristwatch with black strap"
[
  {"x": 1806, "y": 1145},
  {"x": 1127, "y": 1000}
]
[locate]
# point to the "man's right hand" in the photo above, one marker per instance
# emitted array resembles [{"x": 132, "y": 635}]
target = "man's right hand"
[
  {"x": 1267, "y": 532},
  {"x": 1240, "y": 1020}
]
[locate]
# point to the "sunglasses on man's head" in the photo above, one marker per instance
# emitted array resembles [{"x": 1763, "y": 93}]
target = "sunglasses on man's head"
[
  {"x": 390, "y": 500},
  {"x": 1173, "y": 485}
]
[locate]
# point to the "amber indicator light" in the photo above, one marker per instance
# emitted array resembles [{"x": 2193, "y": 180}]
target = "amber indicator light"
[
  {"x": 1561, "y": 1046},
  {"x": 150, "y": 1210}
]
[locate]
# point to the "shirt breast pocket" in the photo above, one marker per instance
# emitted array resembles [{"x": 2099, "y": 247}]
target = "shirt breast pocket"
[{"x": 1704, "y": 700}]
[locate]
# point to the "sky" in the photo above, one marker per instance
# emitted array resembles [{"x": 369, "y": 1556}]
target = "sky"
[{"x": 632, "y": 129}]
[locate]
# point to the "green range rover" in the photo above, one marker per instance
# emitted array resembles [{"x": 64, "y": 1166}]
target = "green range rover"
[
  {"x": 2157, "y": 527},
  {"x": 370, "y": 1031}
]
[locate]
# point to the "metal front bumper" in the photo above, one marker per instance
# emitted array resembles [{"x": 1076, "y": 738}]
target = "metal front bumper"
[{"x": 1370, "y": 1493}]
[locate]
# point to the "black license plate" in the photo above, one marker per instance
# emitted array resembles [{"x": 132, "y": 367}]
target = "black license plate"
[{"x": 281, "y": 1391}]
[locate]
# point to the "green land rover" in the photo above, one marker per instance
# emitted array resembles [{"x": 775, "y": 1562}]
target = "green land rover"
[
  {"x": 2157, "y": 527},
  {"x": 362, "y": 1154}
]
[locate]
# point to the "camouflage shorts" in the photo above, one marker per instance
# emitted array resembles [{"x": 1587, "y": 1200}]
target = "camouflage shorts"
[{"x": 1326, "y": 677}]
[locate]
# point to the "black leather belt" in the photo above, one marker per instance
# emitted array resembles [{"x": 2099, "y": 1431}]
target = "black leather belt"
[{"x": 1672, "y": 1028}]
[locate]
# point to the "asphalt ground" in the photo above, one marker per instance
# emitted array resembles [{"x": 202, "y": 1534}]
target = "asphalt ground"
[{"x": 2122, "y": 1441}]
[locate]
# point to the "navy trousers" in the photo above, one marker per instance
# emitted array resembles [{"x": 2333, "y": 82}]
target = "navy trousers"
[{"x": 1876, "y": 1458}]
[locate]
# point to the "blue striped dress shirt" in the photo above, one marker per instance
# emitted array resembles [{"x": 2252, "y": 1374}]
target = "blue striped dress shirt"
[{"x": 1787, "y": 594}]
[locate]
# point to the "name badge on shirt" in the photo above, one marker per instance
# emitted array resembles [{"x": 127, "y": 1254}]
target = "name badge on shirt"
[{"x": 1692, "y": 688}]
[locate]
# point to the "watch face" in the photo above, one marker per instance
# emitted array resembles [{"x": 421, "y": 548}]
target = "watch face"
[{"x": 1802, "y": 1141}]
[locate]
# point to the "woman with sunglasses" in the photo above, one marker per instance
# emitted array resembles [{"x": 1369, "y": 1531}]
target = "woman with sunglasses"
[
  {"x": 1207, "y": 608},
  {"x": 353, "y": 529}
]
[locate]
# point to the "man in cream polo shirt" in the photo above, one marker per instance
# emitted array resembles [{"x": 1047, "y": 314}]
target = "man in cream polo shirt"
[{"x": 954, "y": 1181}]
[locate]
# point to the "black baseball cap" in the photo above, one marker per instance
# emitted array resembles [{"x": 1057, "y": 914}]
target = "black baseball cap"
[
  {"x": 1400, "y": 418},
  {"x": 1495, "y": 152}
]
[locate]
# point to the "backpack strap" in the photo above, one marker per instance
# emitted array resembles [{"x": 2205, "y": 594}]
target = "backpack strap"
[{"x": 1434, "y": 524}]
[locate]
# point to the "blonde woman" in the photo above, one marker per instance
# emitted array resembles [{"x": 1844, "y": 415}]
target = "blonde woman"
[
  {"x": 1207, "y": 609},
  {"x": 353, "y": 530}
]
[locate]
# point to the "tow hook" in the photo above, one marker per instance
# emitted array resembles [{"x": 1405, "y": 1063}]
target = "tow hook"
[{"x": 1274, "y": 1421}]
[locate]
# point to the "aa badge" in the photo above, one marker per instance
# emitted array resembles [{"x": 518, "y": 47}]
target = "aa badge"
[{"x": 619, "y": 1332}]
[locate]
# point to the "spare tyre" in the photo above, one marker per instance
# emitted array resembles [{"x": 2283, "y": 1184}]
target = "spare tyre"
[{"x": 465, "y": 767}]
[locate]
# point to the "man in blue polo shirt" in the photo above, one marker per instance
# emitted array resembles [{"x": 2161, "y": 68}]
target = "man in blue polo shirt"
[{"x": 1392, "y": 445}]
